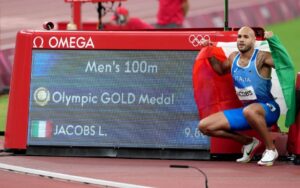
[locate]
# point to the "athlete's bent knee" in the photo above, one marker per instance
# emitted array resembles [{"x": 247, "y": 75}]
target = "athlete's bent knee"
[
  {"x": 203, "y": 127},
  {"x": 250, "y": 113}
]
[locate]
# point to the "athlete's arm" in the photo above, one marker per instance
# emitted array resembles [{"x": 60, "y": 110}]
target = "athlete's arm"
[
  {"x": 267, "y": 57},
  {"x": 185, "y": 7},
  {"x": 222, "y": 67},
  {"x": 264, "y": 61},
  {"x": 264, "y": 64},
  {"x": 268, "y": 60}
]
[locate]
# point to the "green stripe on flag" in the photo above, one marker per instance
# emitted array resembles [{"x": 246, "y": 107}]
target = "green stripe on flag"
[
  {"x": 41, "y": 129},
  {"x": 34, "y": 128},
  {"x": 286, "y": 74}
]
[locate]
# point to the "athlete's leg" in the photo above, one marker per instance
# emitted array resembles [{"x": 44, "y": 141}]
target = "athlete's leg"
[
  {"x": 217, "y": 125},
  {"x": 255, "y": 115}
]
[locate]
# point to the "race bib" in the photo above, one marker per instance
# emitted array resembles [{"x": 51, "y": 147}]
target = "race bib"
[{"x": 246, "y": 93}]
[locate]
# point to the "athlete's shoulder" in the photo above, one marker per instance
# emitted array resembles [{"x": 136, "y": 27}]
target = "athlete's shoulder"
[
  {"x": 232, "y": 55},
  {"x": 265, "y": 57},
  {"x": 264, "y": 54}
]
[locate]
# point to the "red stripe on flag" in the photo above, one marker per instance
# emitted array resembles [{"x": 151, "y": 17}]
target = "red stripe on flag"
[{"x": 49, "y": 129}]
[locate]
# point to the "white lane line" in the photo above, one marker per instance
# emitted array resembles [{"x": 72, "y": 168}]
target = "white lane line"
[{"x": 69, "y": 177}]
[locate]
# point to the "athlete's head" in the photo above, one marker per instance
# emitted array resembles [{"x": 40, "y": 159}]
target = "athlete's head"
[{"x": 246, "y": 39}]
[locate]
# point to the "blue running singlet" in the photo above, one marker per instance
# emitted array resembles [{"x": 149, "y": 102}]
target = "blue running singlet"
[{"x": 251, "y": 87}]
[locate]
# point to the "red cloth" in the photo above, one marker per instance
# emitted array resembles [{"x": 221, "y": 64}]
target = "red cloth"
[
  {"x": 170, "y": 12},
  {"x": 212, "y": 92},
  {"x": 132, "y": 24},
  {"x": 122, "y": 10}
]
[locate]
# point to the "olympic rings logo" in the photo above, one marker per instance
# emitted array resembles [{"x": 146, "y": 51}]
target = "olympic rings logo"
[{"x": 198, "y": 40}]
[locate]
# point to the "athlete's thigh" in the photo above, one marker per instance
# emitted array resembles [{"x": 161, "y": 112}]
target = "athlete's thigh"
[
  {"x": 236, "y": 119},
  {"x": 256, "y": 108},
  {"x": 216, "y": 121},
  {"x": 270, "y": 111}
]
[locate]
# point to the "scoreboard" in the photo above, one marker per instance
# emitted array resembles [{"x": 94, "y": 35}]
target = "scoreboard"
[{"x": 106, "y": 89}]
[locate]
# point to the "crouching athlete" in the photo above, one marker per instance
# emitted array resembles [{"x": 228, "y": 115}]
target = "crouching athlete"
[{"x": 251, "y": 73}]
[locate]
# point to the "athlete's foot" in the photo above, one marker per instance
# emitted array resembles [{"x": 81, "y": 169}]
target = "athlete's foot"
[
  {"x": 268, "y": 158},
  {"x": 248, "y": 151}
]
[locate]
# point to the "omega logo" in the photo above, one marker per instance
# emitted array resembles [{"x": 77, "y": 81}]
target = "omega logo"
[
  {"x": 38, "y": 42},
  {"x": 64, "y": 42}
]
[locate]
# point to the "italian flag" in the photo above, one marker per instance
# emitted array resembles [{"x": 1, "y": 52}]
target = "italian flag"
[
  {"x": 209, "y": 88},
  {"x": 41, "y": 129},
  {"x": 286, "y": 75}
]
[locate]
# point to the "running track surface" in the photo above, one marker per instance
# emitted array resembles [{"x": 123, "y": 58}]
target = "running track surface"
[{"x": 146, "y": 172}]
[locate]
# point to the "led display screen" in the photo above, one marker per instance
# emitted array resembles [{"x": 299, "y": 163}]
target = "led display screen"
[{"x": 113, "y": 98}]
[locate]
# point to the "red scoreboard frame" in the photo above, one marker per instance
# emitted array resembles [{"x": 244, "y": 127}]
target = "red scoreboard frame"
[{"x": 18, "y": 110}]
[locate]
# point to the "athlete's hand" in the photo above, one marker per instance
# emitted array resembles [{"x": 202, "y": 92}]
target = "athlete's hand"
[
  {"x": 205, "y": 42},
  {"x": 185, "y": 7},
  {"x": 268, "y": 34}
]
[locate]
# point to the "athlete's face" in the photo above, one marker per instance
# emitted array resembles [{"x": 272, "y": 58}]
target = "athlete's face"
[{"x": 245, "y": 40}]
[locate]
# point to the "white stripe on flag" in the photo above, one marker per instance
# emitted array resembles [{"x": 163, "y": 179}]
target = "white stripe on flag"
[{"x": 42, "y": 129}]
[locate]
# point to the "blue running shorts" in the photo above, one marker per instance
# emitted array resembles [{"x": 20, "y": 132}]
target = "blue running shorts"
[{"x": 238, "y": 122}]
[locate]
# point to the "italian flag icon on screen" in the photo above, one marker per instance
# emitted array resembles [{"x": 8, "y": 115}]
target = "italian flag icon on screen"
[{"x": 41, "y": 129}]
